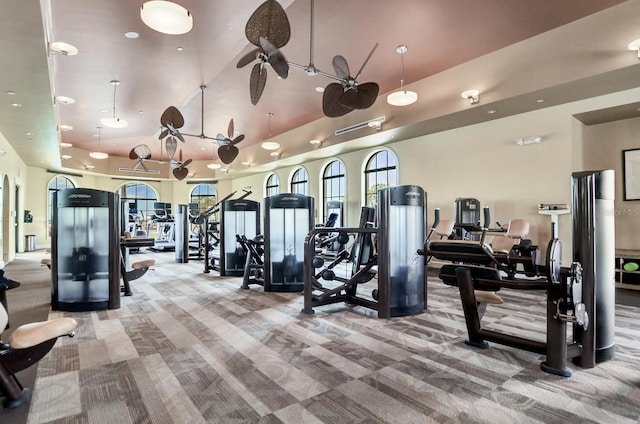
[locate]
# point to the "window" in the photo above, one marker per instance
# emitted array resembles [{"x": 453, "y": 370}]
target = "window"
[
  {"x": 334, "y": 184},
  {"x": 142, "y": 197},
  {"x": 204, "y": 195},
  {"x": 300, "y": 182},
  {"x": 57, "y": 183},
  {"x": 273, "y": 185},
  {"x": 380, "y": 172}
]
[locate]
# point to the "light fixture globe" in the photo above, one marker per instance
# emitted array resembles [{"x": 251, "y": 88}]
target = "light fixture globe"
[
  {"x": 166, "y": 17},
  {"x": 98, "y": 155},
  {"x": 402, "y": 98},
  {"x": 270, "y": 145}
]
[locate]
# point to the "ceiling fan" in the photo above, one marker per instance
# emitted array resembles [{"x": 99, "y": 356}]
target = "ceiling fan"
[
  {"x": 179, "y": 168},
  {"x": 140, "y": 154},
  {"x": 267, "y": 28},
  {"x": 227, "y": 151}
]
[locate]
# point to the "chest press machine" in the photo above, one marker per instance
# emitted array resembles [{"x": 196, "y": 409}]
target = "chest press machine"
[{"x": 390, "y": 257}]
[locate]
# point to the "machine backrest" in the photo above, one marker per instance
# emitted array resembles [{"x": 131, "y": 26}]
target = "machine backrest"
[
  {"x": 363, "y": 248},
  {"x": 517, "y": 229},
  {"x": 4, "y": 318},
  {"x": 444, "y": 228}
]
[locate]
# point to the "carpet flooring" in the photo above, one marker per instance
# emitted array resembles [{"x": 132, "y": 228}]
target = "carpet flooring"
[{"x": 189, "y": 347}]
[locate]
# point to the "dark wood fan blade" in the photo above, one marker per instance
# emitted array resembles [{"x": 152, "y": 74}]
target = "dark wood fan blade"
[
  {"x": 270, "y": 21},
  {"x": 180, "y": 173},
  {"x": 238, "y": 139},
  {"x": 361, "y": 96},
  {"x": 186, "y": 163},
  {"x": 227, "y": 153},
  {"x": 341, "y": 66},
  {"x": 275, "y": 58},
  {"x": 248, "y": 58},
  {"x": 230, "y": 128},
  {"x": 331, "y": 105},
  {"x": 133, "y": 154},
  {"x": 172, "y": 116},
  {"x": 257, "y": 82},
  {"x": 142, "y": 152},
  {"x": 163, "y": 134}
]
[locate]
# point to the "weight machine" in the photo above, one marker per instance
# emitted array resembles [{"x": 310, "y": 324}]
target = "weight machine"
[{"x": 392, "y": 257}]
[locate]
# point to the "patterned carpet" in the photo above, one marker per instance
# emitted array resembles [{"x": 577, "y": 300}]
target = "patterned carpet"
[{"x": 189, "y": 347}]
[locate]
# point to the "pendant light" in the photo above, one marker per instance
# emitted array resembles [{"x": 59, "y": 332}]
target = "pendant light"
[
  {"x": 402, "y": 97},
  {"x": 98, "y": 154},
  {"x": 166, "y": 17},
  {"x": 114, "y": 122},
  {"x": 270, "y": 145}
]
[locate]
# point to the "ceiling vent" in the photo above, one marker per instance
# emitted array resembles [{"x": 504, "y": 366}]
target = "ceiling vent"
[{"x": 365, "y": 124}]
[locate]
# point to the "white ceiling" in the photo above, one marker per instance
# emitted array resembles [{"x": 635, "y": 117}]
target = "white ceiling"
[{"x": 445, "y": 39}]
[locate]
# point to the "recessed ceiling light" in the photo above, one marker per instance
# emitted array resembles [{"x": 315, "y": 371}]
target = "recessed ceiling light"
[
  {"x": 540, "y": 100},
  {"x": 315, "y": 142},
  {"x": 11, "y": 93},
  {"x": 65, "y": 157},
  {"x": 246, "y": 163},
  {"x": 63, "y": 48},
  {"x": 15, "y": 104},
  {"x": 270, "y": 145},
  {"x": 320, "y": 89},
  {"x": 131, "y": 34},
  {"x": 89, "y": 167},
  {"x": 64, "y": 127},
  {"x": 491, "y": 112},
  {"x": 65, "y": 145},
  {"x": 214, "y": 166},
  {"x": 179, "y": 49},
  {"x": 99, "y": 155},
  {"x": 64, "y": 100},
  {"x": 28, "y": 133}
]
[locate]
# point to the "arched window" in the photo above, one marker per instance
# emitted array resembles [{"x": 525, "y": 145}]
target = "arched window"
[
  {"x": 272, "y": 186},
  {"x": 57, "y": 183},
  {"x": 141, "y": 198},
  {"x": 300, "y": 181},
  {"x": 204, "y": 195},
  {"x": 380, "y": 172},
  {"x": 334, "y": 184}
]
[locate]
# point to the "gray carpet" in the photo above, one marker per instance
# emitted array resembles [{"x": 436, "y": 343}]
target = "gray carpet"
[{"x": 189, "y": 347}]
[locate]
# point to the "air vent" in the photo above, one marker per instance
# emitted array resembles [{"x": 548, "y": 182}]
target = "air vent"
[{"x": 365, "y": 124}]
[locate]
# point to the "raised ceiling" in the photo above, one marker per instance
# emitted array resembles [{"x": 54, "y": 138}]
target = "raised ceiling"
[{"x": 154, "y": 73}]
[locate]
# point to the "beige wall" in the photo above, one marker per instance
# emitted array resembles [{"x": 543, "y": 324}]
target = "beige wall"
[
  {"x": 604, "y": 144},
  {"x": 480, "y": 161}
]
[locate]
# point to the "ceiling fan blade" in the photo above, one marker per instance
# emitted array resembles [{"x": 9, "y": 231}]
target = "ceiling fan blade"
[
  {"x": 142, "y": 151},
  {"x": 331, "y": 105},
  {"x": 221, "y": 139},
  {"x": 248, "y": 58},
  {"x": 238, "y": 139},
  {"x": 269, "y": 20},
  {"x": 366, "y": 60},
  {"x": 230, "y": 128},
  {"x": 362, "y": 96},
  {"x": 133, "y": 154},
  {"x": 170, "y": 146},
  {"x": 163, "y": 134},
  {"x": 257, "y": 82},
  {"x": 180, "y": 173},
  {"x": 186, "y": 163},
  {"x": 279, "y": 64},
  {"x": 179, "y": 135},
  {"x": 227, "y": 153},
  {"x": 341, "y": 66},
  {"x": 180, "y": 156},
  {"x": 172, "y": 117}
]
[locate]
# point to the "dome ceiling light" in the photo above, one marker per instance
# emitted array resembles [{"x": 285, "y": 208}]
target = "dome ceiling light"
[
  {"x": 166, "y": 17},
  {"x": 402, "y": 97}
]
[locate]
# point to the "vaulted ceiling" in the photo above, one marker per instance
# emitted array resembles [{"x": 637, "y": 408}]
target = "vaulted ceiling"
[{"x": 157, "y": 70}]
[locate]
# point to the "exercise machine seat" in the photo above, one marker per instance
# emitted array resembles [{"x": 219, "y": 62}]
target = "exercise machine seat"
[
  {"x": 444, "y": 228},
  {"x": 143, "y": 264},
  {"x": 32, "y": 334},
  {"x": 488, "y": 297}
]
